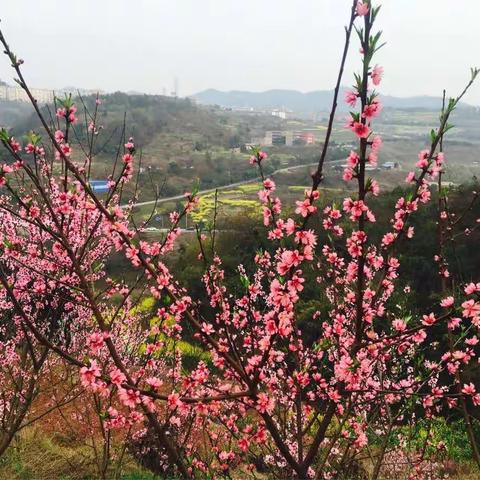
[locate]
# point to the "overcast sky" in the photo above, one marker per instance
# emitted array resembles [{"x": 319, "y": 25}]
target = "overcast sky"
[{"x": 236, "y": 44}]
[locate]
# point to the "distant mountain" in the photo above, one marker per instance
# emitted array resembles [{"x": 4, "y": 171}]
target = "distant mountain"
[{"x": 317, "y": 101}]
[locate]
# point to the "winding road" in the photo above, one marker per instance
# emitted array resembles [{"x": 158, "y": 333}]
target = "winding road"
[{"x": 231, "y": 185}]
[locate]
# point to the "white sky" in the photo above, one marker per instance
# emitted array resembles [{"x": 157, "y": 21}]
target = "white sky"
[{"x": 236, "y": 44}]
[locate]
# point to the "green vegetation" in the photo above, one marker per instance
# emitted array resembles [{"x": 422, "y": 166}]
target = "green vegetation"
[
  {"x": 225, "y": 201},
  {"x": 37, "y": 454}
]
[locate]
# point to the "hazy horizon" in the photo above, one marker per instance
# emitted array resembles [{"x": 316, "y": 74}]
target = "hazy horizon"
[{"x": 230, "y": 45}]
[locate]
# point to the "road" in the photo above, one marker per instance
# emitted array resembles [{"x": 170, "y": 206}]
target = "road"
[{"x": 231, "y": 185}]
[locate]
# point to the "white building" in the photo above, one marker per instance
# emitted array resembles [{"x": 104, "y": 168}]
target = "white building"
[
  {"x": 280, "y": 114},
  {"x": 17, "y": 94}
]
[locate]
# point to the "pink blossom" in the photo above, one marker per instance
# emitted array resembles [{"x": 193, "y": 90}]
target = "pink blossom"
[
  {"x": 34, "y": 211},
  {"x": 29, "y": 148},
  {"x": 410, "y": 177},
  {"x": 117, "y": 377},
  {"x": 269, "y": 184},
  {"x": 174, "y": 401},
  {"x": 469, "y": 389},
  {"x": 362, "y": 9},
  {"x": 90, "y": 374},
  {"x": 96, "y": 341},
  {"x": 360, "y": 130},
  {"x": 471, "y": 308},
  {"x": 472, "y": 288},
  {"x": 376, "y": 142},
  {"x": 265, "y": 404},
  {"x": 352, "y": 160},
  {"x": 429, "y": 320},
  {"x": 289, "y": 259},
  {"x": 351, "y": 98},
  {"x": 374, "y": 187},
  {"x": 399, "y": 325},
  {"x": 243, "y": 444},
  {"x": 129, "y": 397},
  {"x": 447, "y": 302},
  {"x": 347, "y": 174},
  {"x": 423, "y": 159},
  {"x": 372, "y": 110},
  {"x": 305, "y": 208},
  {"x": 453, "y": 323},
  {"x": 376, "y": 74}
]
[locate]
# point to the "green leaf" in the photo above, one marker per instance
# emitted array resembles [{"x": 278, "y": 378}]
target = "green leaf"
[
  {"x": 359, "y": 33},
  {"x": 355, "y": 116},
  {"x": 447, "y": 128},
  {"x": 195, "y": 189},
  {"x": 4, "y": 135},
  {"x": 167, "y": 300},
  {"x": 33, "y": 138},
  {"x": 254, "y": 150},
  {"x": 368, "y": 183},
  {"x": 245, "y": 281},
  {"x": 375, "y": 11}
]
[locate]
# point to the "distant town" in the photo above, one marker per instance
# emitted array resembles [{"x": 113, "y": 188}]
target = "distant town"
[{"x": 42, "y": 95}]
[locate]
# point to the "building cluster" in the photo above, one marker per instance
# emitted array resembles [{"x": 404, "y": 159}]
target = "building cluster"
[
  {"x": 41, "y": 95},
  {"x": 288, "y": 138},
  {"x": 17, "y": 94},
  {"x": 280, "y": 114}
]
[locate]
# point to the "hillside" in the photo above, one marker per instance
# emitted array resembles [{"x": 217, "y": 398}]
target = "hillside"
[
  {"x": 182, "y": 144},
  {"x": 145, "y": 116},
  {"x": 12, "y": 113}
]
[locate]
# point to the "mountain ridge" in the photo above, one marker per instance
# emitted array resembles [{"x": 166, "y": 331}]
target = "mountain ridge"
[{"x": 314, "y": 101}]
